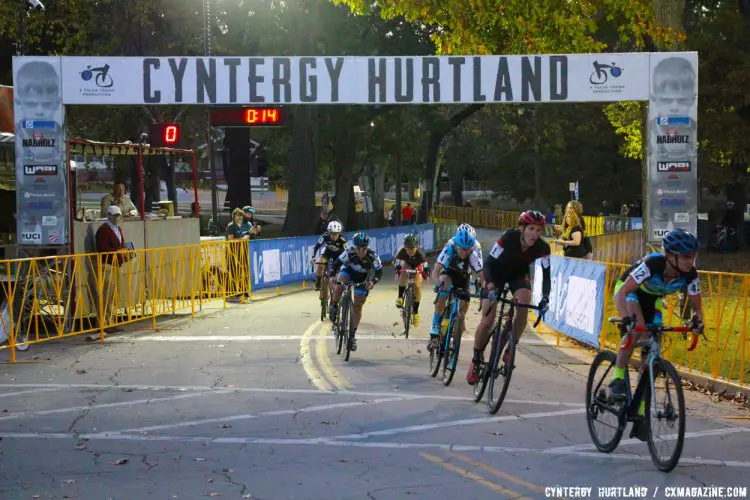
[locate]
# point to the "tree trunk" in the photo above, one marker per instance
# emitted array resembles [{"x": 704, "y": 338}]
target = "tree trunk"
[
  {"x": 457, "y": 188},
  {"x": 169, "y": 178},
  {"x": 399, "y": 175},
  {"x": 238, "y": 182},
  {"x": 225, "y": 169},
  {"x": 301, "y": 215},
  {"x": 437, "y": 134}
]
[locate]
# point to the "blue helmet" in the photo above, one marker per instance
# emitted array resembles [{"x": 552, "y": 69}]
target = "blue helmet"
[
  {"x": 680, "y": 241},
  {"x": 361, "y": 240},
  {"x": 464, "y": 239}
]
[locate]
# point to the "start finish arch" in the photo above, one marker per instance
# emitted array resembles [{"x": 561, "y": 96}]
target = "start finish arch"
[{"x": 44, "y": 85}]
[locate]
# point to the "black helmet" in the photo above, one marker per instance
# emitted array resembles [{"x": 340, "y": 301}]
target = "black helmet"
[
  {"x": 361, "y": 240},
  {"x": 410, "y": 240}
]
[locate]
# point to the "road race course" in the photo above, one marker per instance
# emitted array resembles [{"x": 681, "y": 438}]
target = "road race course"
[{"x": 252, "y": 402}]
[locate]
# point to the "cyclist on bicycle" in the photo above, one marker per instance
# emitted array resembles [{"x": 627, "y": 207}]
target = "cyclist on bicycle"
[
  {"x": 452, "y": 270},
  {"x": 509, "y": 261},
  {"x": 355, "y": 264},
  {"x": 473, "y": 234},
  {"x": 410, "y": 256},
  {"x": 333, "y": 244},
  {"x": 640, "y": 289}
]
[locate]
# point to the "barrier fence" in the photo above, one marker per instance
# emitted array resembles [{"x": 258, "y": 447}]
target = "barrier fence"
[
  {"x": 622, "y": 248},
  {"x": 581, "y": 300},
  {"x": 504, "y": 219},
  {"x": 42, "y": 299}
]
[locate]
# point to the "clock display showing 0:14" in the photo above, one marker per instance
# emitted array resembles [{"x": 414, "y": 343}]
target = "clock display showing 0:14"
[{"x": 247, "y": 117}]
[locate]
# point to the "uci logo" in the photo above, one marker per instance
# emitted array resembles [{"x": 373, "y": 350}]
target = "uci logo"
[{"x": 31, "y": 236}]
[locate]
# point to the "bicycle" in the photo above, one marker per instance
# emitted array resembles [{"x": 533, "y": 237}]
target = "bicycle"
[
  {"x": 599, "y": 401},
  {"x": 326, "y": 293},
  {"x": 449, "y": 340},
  {"x": 407, "y": 308},
  {"x": 345, "y": 325},
  {"x": 502, "y": 335}
]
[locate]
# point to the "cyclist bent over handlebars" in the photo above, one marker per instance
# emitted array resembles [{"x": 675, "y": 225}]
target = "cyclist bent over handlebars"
[
  {"x": 355, "y": 264},
  {"x": 452, "y": 270},
  {"x": 509, "y": 261}
]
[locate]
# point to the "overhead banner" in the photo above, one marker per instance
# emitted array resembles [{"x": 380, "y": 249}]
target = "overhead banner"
[
  {"x": 41, "y": 182},
  {"x": 356, "y": 79},
  {"x": 672, "y": 144}
]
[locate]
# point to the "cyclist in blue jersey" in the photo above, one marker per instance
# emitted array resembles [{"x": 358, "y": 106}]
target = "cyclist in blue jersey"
[
  {"x": 472, "y": 232},
  {"x": 452, "y": 270},
  {"x": 640, "y": 289}
]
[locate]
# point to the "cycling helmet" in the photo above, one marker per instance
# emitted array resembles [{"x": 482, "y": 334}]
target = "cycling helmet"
[
  {"x": 680, "y": 241},
  {"x": 531, "y": 217},
  {"x": 361, "y": 240},
  {"x": 470, "y": 229},
  {"x": 463, "y": 239},
  {"x": 248, "y": 209},
  {"x": 335, "y": 227},
  {"x": 410, "y": 241}
]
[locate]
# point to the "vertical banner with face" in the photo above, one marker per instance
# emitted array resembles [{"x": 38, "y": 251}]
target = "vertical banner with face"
[
  {"x": 672, "y": 144},
  {"x": 41, "y": 182}
]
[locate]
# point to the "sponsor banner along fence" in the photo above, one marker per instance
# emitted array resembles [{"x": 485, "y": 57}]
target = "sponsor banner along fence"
[
  {"x": 576, "y": 297},
  {"x": 282, "y": 261}
]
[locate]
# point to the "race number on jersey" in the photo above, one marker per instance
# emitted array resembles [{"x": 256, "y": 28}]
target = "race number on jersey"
[
  {"x": 496, "y": 250},
  {"x": 640, "y": 273}
]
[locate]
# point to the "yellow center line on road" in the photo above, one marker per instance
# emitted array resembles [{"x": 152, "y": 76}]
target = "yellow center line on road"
[
  {"x": 478, "y": 479},
  {"x": 504, "y": 475},
  {"x": 323, "y": 358},
  {"x": 315, "y": 377}
]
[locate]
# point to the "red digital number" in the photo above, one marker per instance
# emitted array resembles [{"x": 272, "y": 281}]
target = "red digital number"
[
  {"x": 251, "y": 116},
  {"x": 271, "y": 115},
  {"x": 171, "y": 134}
]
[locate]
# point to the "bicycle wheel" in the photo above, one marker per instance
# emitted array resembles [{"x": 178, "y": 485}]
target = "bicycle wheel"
[
  {"x": 597, "y": 405},
  {"x": 501, "y": 368},
  {"x": 350, "y": 329},
  {"x": 436, "y": 354},
  {"x": 672, "y": 412},
  {"x": 451, "y": 352},
  {"x": 484, "y": 370},
  {"x": 343, "y": 323},
  {"x": 406, "y": 309},
  {"x": 323, "y": 298}
]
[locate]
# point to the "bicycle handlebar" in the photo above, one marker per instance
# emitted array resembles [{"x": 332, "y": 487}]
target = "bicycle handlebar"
[{"x": 653, "y": 329}]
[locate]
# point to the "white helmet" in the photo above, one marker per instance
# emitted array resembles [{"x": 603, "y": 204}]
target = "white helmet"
[
  {"x": 335, "y": 227},
  {"x": 469, "y": 229}
]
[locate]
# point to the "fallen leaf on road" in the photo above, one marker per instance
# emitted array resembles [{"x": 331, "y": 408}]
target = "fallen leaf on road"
[
  {"x": 326, "y": 422},
  {"x": 127, "y": 390},
  {"x": 209, "y": 480},
  {"x": 80, "y": 447},
  {"x": 213, "y": 494},
  {"x": 175, "y": 458},
  {"x": 227, "y": 470},
  {"x": 247, "y": 496},
  {"x": 70, "y": 481},
  {"x": 200, "y": 459},
  {"x": 419, "y": 351},
  {"x": 225, "y": 426},
  {"x": 496, "y": 433},
  {"x": 122, "y": 461},
  {"x": 36, "y": 496},
  {"x": 80, "y": 372}
]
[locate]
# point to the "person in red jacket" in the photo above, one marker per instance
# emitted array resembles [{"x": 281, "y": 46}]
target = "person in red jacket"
[
  {"x": 406, "y": 214},
  {"x": 110, "y": 241}
]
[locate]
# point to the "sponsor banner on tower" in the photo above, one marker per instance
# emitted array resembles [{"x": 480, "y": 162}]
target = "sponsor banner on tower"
[{"x": 41, "y": 184}]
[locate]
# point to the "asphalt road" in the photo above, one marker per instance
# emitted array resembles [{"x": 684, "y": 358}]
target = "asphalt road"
[{"x": 252, "y": 402}]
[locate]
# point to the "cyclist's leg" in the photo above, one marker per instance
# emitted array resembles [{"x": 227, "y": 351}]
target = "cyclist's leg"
[
  {"x": 319, "y": 270},
  {"x": 521, "y": 289},
  {"x": 482, "y": 337},
  {"x": 402, "y": 280},
  {"x": 417, "y": 298},
  {"x": 643, "y": 306},
  {"x": 445, "y": 280},
  {"x": 344, "y": 277},
  {"x": 360, "y": 297}
]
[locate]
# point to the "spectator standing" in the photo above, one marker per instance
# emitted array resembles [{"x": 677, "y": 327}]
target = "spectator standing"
[
  {"x": 238, "y": 255},
  {"x": 110, "y": 243},
  {"x": 572, "y": 234},
  {"x": 406, "y": 215}
]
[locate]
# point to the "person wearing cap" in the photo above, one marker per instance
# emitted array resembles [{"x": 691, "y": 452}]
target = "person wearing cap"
[
  {"x": 254, "y": 230},
  {"x": 110, "y": 242}
]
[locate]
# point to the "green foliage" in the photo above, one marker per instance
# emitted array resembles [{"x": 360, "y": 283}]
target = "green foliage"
[{"x": 626, "y": 118}]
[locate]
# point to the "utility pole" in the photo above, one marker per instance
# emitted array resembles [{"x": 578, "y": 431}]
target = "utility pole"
[{"x": 209, "y": 138}]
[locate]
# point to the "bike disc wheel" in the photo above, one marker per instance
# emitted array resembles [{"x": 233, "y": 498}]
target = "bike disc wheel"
[
  {"x": 602, "y": 415},
  {"x": 451, "y": 352},
  {"x": 500, "y": 368},
  {"x": 669, "y": 415}
]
